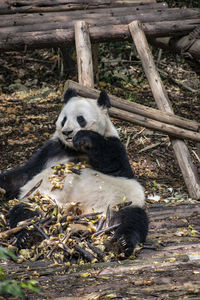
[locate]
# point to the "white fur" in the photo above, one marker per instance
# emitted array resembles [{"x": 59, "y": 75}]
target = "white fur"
[
  {"x": 97, "y": 119},
  {"x": 92, "y": 189}
]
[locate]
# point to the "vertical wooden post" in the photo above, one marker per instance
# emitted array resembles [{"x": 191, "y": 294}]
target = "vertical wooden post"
[
  {"x": 160, "y": 95},
  {"x": 84, "y": 54}
]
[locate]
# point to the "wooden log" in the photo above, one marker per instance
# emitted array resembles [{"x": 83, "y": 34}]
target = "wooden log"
[
  {"x": 186, "y": 45},
  {"x": 102, "y": 17},
  {"x": 112, "y": 32},
  {"x": 132, "y": 107},
  {"x": 55, "y": 20},
  {"x": 84, "y": 54},
  {"x": 109, "y": 11},
  {"x": 181, "y": 151},
  {"x": 156, "y": 125},
  {"x": 173, "y": 45},
  {"x": 59, "y": 37},
  {"x": 6, "y": 9},
  {"x": 59, "y": 2}
]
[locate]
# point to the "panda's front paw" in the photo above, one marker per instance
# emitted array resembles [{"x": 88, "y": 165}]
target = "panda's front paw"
[{"x": 83, "y": 141}]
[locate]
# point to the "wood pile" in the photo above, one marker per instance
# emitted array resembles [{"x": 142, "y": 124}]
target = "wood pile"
[{"x": 40, "y": 24}]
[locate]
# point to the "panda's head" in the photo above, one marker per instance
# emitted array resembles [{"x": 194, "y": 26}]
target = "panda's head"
[{"x": 80, "y": 113}]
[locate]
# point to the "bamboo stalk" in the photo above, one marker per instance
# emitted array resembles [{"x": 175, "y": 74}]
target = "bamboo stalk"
[{"x": 9, "y": 232}]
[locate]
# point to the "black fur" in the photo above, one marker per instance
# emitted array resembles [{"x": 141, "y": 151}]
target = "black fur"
[
  {"x": 81, "y": 120},
  {"x": 25, "y": 238},
  {"x": 20, "y": 213},
  {"x": 104, "y": 100},
  {"x": 69, "y": 94},
  {"x": 63, "y": 121},
  {"x": 106, "y": 155},
  {"x": 132, "y": 230},
  {"x": 13, "y": 180}
]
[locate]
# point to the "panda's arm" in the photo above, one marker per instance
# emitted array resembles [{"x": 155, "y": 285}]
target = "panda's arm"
[
  {"x": 106, "y": 155},
  {"x": 14, "y": 179}
]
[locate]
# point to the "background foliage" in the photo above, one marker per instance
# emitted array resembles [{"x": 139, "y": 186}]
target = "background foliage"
[{"x": 183, "y": 3}]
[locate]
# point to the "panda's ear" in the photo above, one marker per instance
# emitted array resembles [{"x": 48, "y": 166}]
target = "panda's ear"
[
  {"x": 104, "y": 100},
  {"x": 69, "y": 94}
]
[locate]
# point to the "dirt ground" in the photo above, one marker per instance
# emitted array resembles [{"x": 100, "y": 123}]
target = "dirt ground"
[{"x": 31, "y": 88}]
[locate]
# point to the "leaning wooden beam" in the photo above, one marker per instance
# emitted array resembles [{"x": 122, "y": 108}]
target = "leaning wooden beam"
[
  {"x": 138, "y": 109},
  {"x": 84, "y": 54},
  {"x": 181, "y": 151},
  {"x": 120, "y": 109},
  {"x": 171, "y": 130},
  {"x": 59, "y": 37}
]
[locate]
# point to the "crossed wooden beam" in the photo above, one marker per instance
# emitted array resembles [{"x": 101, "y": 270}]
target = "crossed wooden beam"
[{"x": 173, "y": 124}]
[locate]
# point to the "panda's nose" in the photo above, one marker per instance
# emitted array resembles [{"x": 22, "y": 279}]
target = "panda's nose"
[{"x": 67, "y": 132}]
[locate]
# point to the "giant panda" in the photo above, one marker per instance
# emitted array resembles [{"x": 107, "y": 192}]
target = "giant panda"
[{"x": 84, "y": 131}]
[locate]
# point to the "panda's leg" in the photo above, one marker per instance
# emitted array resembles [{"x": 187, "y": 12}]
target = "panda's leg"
[
  {"x": 132, "y": 230},
  {"x": 106, "y": 155},
  {"x": 25, "y": 238}
]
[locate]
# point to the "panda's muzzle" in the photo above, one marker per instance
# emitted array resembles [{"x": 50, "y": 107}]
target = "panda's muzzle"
[{"x": 67, "y": 134}]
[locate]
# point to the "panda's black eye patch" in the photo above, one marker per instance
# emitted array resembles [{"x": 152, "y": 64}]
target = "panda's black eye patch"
[
  {"x": 63, "y": 121},
  {"x": 82, "y": 122}
]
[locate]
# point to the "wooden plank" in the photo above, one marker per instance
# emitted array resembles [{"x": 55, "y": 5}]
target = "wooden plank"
[
  {"x": 84, "y": 54},
  {"x": 160, "y": 95}
]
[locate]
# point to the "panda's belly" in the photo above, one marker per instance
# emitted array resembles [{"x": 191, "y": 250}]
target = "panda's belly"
[{"x": 93, "y": 190}]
